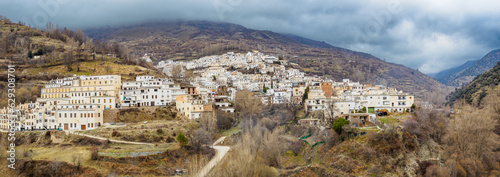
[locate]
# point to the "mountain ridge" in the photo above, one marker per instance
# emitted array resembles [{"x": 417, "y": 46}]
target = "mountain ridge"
[
  {"x": 464, "y": 73},
  {"x": 186, "y": 40},
  {"x": 478, "y": 88}
]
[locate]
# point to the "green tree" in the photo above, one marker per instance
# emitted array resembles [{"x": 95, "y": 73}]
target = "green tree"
[
  {"x": 264, "y": 89},
  {"x": 182, "y": 139},
  {"x": 306, "y": 92},
  {"x": 39, "y": 52},
  {"x": 362, "y": 110},
  {"x": 30, "y": 54},
  {"x": 339, "y": 124},
  {"x": 413, "y": 107}
]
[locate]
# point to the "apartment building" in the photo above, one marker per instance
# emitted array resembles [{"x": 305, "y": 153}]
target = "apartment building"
[
  {"x": 76, "y": 103},
  {"x": 192, "y": 106},
  {"x": 149, "y": 91}
]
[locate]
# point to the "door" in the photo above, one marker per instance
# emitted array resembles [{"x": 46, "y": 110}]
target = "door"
[
  {"x": 65, "y": 126},
  {"x": 83, "y": 127}
]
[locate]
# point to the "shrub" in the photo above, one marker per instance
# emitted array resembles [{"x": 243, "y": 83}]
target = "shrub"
[
  {"x": 94, "y": 153},
  {"x": 142, "y": 138},
  {"x": 182, "y": 139},
  {"x": 170, "y": 139},
  {"x": 339, "y": 124},
  {"x": 159, "y": 131},
  {"x": 115, "y": 134}
]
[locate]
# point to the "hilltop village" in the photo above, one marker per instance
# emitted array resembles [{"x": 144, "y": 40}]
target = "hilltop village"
[{"x": 202, "y": 86}]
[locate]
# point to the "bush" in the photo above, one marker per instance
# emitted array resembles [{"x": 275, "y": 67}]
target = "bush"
[
  {"x": 94, "y": 153},
  {"x": 142, "y": 138},
  {"x": 115, "y": 134},
  {"x": 339, "y": 124},
  {"x": 159, "y": 131},
  {"x": 182, "y": 139},
  {"x": 268, "y": 123},
  {"x": 170, "y": 139}
]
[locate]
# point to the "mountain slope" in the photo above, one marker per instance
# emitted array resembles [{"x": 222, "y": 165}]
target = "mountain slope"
[
  {"x": 465, "y": 73},
  {"x": 477, "y": 89},
  {"x": 445, "y": 76},
  {"x": 40, "y": 56},
  {"x": 185, "y": 40}
]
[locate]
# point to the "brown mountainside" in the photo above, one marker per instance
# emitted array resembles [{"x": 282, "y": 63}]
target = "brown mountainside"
[{"x": 185, "y": 40}]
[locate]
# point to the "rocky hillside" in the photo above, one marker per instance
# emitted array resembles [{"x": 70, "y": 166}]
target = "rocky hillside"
[
  {"x": 183, "y": 40},
  {"x": 465, "y": 73},
  {"x": 40, "y": 56},
  {"x": 477, "y": 89}
]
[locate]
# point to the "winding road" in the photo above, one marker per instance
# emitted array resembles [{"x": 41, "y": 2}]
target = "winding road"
[{"x": 221, "y": 152}]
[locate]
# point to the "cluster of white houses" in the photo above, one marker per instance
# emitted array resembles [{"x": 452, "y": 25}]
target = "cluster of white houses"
[{"x": 79, "y": 102}]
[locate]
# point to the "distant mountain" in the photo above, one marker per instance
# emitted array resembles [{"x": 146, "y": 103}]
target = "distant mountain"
[
  {"x": 310, "y": 42},
  {"x": 446, "y": 75},
  {"x": 478, "y": 88},
  {"x": 463, "y": 74},
  {"x": 431, "y": 74},
  {"x": 186, "y": 40}
]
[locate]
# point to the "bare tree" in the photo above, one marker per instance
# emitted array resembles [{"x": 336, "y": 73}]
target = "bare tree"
[
  {"x": 247, "y": 105},
  {"x": 294, "y": 106},
  {"x": 7, "y": 41},
  {"x": 471, "y": 133},
  {"x": 68, "y": 59},
  {"x": 253, "y": 154},
  {"x": 177, "y": 72},
  {"x": 208, "y": 121},
  {"x": 80, "y": 36},
  {"x": 199, "y": 138},
  {"x": 330, "y": 112}
]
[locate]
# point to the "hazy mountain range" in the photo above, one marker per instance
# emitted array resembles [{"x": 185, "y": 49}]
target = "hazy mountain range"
[{"x": 464, "y": 73}]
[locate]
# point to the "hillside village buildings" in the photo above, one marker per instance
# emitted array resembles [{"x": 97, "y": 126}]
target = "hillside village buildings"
[
  {"x": 148, "y": 91},
  {"x": 79, "y": 102}
]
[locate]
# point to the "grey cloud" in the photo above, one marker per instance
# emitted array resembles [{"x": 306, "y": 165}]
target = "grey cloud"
[{"x": 429, "y": 35}]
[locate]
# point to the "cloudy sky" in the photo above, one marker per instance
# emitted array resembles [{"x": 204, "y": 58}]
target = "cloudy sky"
[{"x": 426, "y": 34}]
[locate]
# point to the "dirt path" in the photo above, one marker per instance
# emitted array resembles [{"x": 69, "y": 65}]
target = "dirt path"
[
  {"x": 112, "y": 140},
  {"x": 221, "y": 152}
]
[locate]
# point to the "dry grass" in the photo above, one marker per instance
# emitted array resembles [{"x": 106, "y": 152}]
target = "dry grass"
[
  {"x": 395, "y": 119},
  {"x": 133, "y": 131},
  {"x": 128, "y": 72}
]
